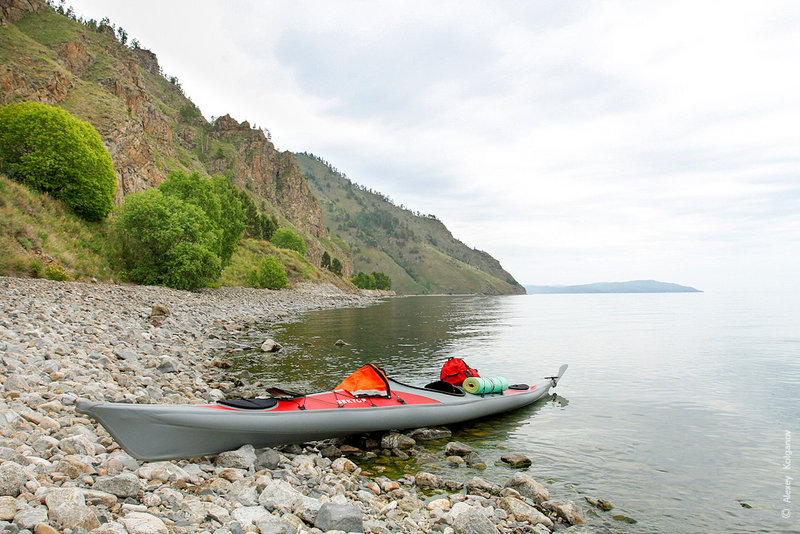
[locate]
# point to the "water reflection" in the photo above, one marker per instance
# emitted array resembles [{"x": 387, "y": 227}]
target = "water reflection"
[
  {"x": 409, "y": 337},
  {"x": 678, "y": 404}
]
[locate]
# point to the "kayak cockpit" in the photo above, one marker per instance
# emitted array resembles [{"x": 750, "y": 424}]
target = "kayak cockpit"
[{"x": 250, "y": 404}]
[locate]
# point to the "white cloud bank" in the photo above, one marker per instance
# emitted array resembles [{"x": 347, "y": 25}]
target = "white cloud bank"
[{"x": 575, "y": 141}]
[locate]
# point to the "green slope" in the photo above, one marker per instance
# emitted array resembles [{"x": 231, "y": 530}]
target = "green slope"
[{"x": 418, "y": 252}]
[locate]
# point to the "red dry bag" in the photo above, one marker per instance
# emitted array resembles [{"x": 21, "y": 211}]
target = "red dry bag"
[{"x": 455, "y": 371}]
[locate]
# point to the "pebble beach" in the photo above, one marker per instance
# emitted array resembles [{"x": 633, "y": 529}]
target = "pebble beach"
[{"x": 62, "y": 472}]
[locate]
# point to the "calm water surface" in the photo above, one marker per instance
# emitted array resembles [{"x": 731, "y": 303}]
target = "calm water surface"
[{"x": 676, "y": 408}]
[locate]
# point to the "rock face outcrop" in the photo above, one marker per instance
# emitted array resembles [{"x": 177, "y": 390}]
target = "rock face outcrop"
[
  {"x": 13, "y": 10},
  {"x": 134, "y": 142},
  {"x": 257, "y": 166},
  {"x": 274, "y": 175},
  {"x": 74, "y": 57}
]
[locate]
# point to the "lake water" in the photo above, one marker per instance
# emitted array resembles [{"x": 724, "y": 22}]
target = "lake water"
[{"x": 679, "y": 409}]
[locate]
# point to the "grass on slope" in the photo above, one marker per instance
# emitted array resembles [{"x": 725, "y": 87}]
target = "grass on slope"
[
  {"x": 39, "y": 236},
  {"x": 250, "y": 253}
]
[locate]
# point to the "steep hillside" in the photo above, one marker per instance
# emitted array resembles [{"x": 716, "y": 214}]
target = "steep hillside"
[
  {"x": 145, "y": 120},
  {"x": 151, "y": 128},
  {"x": 418, "y": 252}
]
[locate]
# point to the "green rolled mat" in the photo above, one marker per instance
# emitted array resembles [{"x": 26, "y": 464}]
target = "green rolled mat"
[{"x": 481, "y": 386}]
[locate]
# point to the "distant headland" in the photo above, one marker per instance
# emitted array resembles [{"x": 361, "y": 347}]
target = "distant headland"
[{"x": 634, "y": 286}]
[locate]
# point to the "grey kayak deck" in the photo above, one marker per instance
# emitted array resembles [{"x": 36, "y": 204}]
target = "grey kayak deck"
[{"x": 166, "y": 431}]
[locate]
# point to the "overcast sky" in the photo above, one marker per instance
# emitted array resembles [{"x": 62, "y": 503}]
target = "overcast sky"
[{"x": 574, "y": 141}]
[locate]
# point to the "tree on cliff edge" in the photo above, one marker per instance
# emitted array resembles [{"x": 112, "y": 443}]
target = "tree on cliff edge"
[{"x": 48, "y": 149}]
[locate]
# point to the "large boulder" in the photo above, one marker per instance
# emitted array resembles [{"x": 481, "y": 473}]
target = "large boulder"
[
  {"x": 430, "y": 433},
  {"x": 242, "y": 458},
  {"x": 144, "y": 523},
  {"x": 123, "y": 485},
  {"x": 456, "y": 448},
  {"x": 12, "y": 478},
  {"x": 339, "y": 517},
  {"x": 526, "y": 486},
  {"x": 428, "y": 480},
  {"x": 567, "y": 510},
  {"x": 515, "y": 459},
  {"x": 395, "y": 440},
  {"x": 524, "y": 512},
  {"x": 270, "y": 345},
  {"x": 473, "y": 522},
  {"x": 67, "y": 507}
]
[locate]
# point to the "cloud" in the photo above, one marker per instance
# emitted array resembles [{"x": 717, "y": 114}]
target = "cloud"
[{"x": 575, "y": 141}]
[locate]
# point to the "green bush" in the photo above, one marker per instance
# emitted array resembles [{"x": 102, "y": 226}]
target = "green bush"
[
  {"x": 285, "y": 238},
  {"x": 376, "y": 280},
  {"x": 48, "y": 149},
  {"x": 163, "y": 240},
  {"x": 363, "y": 281},
  {"x": 269, "y": 274},
  {"x": 219, "y": 200},
  {"x": 382, "y": 281},
  {"x": 54, "y": 271}
]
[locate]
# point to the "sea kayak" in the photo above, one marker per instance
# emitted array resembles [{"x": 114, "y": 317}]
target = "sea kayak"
[{"x": 172, "y": 431}]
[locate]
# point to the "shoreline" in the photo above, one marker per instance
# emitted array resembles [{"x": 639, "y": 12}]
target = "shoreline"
[{"x": 61, "y": 472}]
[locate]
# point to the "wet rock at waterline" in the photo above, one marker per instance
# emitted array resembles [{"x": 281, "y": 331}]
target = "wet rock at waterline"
[
  {"x": 516, "y": 459},
  {"x": 270, "y": 345}
]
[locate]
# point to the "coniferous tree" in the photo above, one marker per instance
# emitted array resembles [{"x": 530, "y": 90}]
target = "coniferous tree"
[{"x": 336, "y": 266}]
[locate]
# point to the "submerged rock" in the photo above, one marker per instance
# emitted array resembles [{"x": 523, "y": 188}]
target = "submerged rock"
[{"x": 600, "y": 503}]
